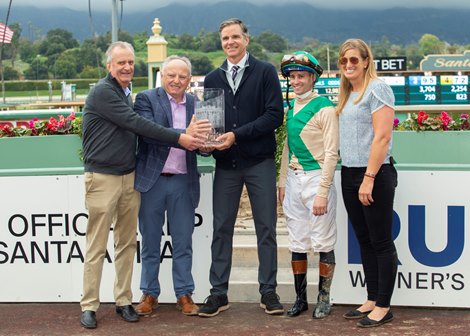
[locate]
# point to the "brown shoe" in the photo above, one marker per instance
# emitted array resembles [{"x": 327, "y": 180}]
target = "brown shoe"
[
  {"x": 187, "y": 306},
  {"x": 146, "y": 305}
]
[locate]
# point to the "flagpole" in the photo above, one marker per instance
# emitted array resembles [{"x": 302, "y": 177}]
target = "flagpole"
[{"x": 1, "y": 52}]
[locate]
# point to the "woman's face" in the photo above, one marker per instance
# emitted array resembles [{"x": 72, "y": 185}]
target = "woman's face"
[
  {"x": 352, "y": 65},
  {"x": 301, "y": 81}
]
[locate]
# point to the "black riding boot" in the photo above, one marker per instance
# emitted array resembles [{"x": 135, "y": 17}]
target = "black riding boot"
[{"x": 299, "y": 267}]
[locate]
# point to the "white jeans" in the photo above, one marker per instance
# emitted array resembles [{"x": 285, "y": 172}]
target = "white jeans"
[{"x": 307, "y": 231}]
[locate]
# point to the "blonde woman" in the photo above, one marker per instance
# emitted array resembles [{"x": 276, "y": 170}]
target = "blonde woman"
[{"x": 368, "y": 177}]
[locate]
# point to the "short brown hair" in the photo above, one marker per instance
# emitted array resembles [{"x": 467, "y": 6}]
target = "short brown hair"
[{"x": 234, "y": 21}]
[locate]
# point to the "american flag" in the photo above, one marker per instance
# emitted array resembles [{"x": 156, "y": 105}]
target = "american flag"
[{"x": 5, "y": 33}]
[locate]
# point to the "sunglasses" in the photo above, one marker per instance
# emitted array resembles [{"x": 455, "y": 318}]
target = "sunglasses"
[
  {"x": 302, "y": 60},
  {"x": 344, "y": 60}
]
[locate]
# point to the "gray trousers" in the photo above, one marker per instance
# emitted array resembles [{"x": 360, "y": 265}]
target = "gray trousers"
[{"x": 260, "y": 182}]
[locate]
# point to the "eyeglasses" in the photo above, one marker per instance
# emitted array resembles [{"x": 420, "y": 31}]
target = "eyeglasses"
[
  {"x": 344, "y": 60},
  {"x": 303, "y": 60}
]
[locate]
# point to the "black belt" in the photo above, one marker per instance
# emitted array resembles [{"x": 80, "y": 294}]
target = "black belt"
[{"x": 167, "y": 174}]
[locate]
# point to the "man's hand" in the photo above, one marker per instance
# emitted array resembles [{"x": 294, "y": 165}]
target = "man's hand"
[
  {"x": 228, "y": 139},
  {"x": 189, "y": 142},
  {"x": 198, "y": 128},
  {"x": 320, "y": 206},
  {"x": 281, "y": 192}
]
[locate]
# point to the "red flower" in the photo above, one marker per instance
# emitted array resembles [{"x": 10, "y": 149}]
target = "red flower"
[{"x": 422, "y": 116}]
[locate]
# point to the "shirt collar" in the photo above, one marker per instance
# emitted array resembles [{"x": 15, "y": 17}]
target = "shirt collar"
[
  {"x": 171, "y": 99},
  {"x": 243, "y": 62}
]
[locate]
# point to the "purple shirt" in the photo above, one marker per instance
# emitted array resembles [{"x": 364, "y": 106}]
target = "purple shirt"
[{"x": 176, "y": 161}]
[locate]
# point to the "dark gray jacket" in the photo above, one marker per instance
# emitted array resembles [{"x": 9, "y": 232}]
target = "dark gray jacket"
[{"x": 109, "y": 128}]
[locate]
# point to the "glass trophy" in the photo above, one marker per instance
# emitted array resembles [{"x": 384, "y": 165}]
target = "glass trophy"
[{"x": 210, "y": 104}]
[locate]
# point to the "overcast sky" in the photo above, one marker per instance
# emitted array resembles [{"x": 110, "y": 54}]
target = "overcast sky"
[{"x": 131, "y": 5}]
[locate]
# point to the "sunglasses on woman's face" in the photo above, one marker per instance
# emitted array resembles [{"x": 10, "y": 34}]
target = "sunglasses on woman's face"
[{"x": 344, "y": 60}]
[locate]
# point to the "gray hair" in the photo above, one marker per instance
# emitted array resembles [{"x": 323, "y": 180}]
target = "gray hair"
[
  {"x": 234, "y": 21},
  {"x": 176, "y": 57},
  {"x": 117, "y": 44}
]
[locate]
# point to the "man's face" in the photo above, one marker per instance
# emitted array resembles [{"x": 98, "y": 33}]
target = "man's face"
[
  {"x": 121, "y": 66},
  {"x": 176, "y": 78},
  {"x": 234, "y": 42}
]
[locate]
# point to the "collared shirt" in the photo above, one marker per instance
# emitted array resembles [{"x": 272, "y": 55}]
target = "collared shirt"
[
  {"x": 127, "y": 91},
  {"x": 242, "y": 65},
  {"x": 176, "y": 161}
]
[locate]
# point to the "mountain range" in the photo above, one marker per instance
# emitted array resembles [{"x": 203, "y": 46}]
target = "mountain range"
[{"x": 293, "y": 21}]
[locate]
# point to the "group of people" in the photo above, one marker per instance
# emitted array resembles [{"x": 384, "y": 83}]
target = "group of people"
[{"x": 140, "y": 163}]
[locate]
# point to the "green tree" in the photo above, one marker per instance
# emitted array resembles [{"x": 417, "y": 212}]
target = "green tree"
[
  {"x": 257, "y": 50},
  {"x": 140, "y": 69},
  {"x": 28, "y": 50},
  {"x": 210, "y": 42},
  {"x": 140, "y": 41},
  {"x": 92, "y": 72},
  {"x": 10, "y": 74},
  {"x": 201, "y": 65},
  {"x": 58, "y": 37},
  {"x": 37, "y": 70},
  {"x": 414, "y": 56},
  {"x": 64, "y": 67},
  {"x": 271, "y": 41},
  {"x": 187, "y": 41},
  {"x": 430, "y": 44},
  {"x": 90, "y": 55},
  {"x": 11, "y": 50}
]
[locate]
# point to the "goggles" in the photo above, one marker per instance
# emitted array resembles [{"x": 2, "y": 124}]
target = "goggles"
[
  {"x": 344, "y": 60},
  {"x": 301, "y": 59}
]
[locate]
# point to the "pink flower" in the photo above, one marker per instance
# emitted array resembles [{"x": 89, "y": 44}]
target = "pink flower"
[{"x": 396, "y": 121}]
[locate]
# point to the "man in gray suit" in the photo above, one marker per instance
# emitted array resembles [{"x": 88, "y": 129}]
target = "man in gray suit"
[{"x": 169, "y": 183}]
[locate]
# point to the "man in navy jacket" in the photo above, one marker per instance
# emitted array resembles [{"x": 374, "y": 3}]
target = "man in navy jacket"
[{"x": 253, "y": 110}]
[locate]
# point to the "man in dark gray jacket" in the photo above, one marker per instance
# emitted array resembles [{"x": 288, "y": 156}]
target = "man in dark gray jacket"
[{"x": 109, "y": 144}]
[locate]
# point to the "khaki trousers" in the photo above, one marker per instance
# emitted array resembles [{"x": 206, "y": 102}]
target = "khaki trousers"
[{"x": 110, "y": 200}]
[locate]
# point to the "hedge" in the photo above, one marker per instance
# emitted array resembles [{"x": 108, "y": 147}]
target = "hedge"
[{"x": 30, "y": 85}]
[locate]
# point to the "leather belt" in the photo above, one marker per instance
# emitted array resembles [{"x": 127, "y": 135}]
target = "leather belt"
[{"x": 167, "y": 174}]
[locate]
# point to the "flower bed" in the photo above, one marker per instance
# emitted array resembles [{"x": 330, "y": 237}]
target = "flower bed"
[{"x": 423, "y": 121}]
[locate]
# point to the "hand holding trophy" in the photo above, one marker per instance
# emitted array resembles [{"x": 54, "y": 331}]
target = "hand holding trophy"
[{"x": 210, "y": 106}]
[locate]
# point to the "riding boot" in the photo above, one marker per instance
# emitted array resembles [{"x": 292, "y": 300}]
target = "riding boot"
[
  {"x": 299, "y": 267},
  {"x": 323, "y": 306}
]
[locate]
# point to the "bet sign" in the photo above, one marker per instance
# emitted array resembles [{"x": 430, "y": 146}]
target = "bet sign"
[{"x": 390, "y": 63}]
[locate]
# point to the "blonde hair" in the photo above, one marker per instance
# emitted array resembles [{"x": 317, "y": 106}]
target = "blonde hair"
[{"x": 345, "y": 86}]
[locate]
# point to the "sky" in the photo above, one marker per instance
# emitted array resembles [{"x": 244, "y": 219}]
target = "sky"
[{"x": 137, "y": 5}]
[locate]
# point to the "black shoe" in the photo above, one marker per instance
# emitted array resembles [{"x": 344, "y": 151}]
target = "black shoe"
[
  {"x": 213, "y": 305},
  {"x": 356, "y": 314},
  {"x": 88, "y": 319},
  {"x": 271, "y": 305},
  {"x": 369, "y": 323},
  {"x": 127, "y": 313},
  {"x": 298, "y": 307}
]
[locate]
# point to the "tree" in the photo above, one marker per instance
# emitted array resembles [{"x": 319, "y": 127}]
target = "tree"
[
  {"x": 430, "y": 44},
  {"x": 210, "y": 42},
  {"x": 140, "y": 69},
  {"x": 256, "y": 50},
  {"x": 10, "y": 50},
  {"x": 201, "y": 65},
  {"x": 90, "y": 55},
  {"x": 28, "y": 50},
  {"x": 140, "y": 41},
  {"x": 10, "y": 74},
  {"x": 271, "y": 41},
  {"x": 59, "y": 37},
  {"x": 187, "y": 41},
  {"x": 64, "y": 67},
  {"x": 92, "y": 72},
  {"x": 37, "y": 70}
]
